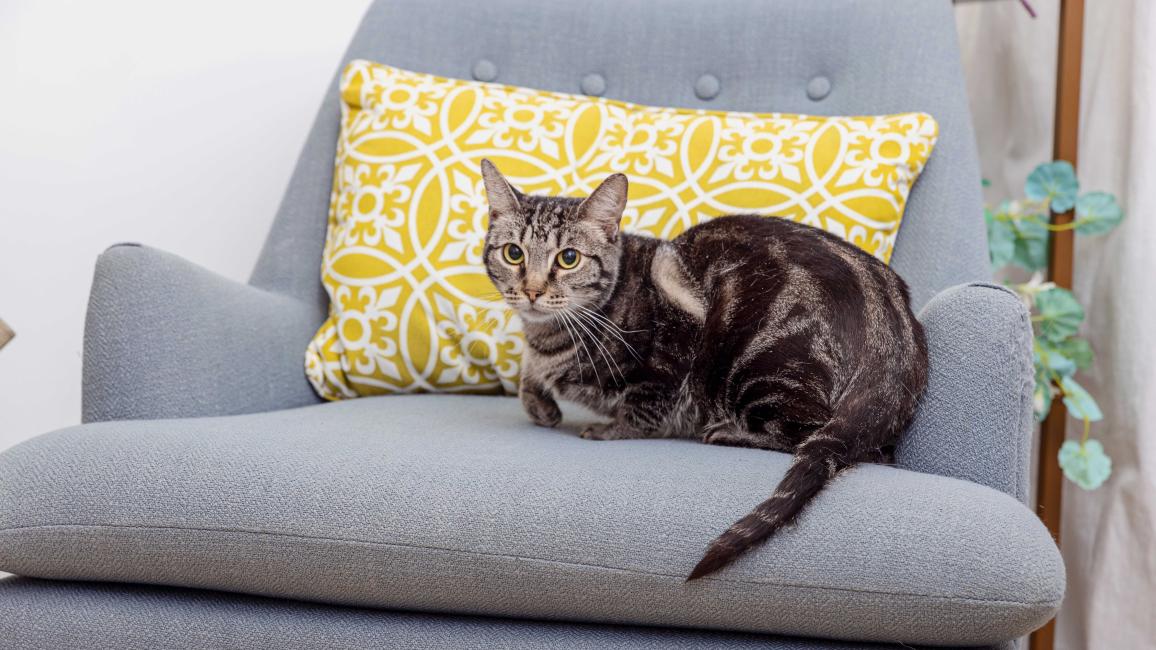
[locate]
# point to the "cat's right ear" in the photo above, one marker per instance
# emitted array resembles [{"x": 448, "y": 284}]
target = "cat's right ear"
[{"x": 502, "y": 196}]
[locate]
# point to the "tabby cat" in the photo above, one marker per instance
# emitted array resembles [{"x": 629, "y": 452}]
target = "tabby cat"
[{"x": 744, "y": 330}]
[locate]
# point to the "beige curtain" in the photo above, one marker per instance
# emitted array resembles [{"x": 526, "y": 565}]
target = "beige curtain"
[{"x": 1109, "y": 535}]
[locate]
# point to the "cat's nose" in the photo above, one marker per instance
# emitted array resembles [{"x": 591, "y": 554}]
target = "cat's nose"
[{"x": 532, "y": 295}]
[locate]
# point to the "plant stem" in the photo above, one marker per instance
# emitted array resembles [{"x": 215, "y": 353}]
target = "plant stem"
[
  {"x": 1071, "y": 225},
  {"x": 1055, "y": 378}
]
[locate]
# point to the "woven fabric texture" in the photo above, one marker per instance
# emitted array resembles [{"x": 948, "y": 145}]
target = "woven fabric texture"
[{"x": 54, "y": 615}]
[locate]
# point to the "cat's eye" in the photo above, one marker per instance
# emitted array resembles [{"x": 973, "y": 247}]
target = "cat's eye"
[
  {"x": 569, "y": 258},
  {"x": 513, "y": 254}
]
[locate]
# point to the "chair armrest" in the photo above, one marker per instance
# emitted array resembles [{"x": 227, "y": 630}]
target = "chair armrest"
[
  {"x": 975, "y": 420},
  {"x": 165, "y": 338}
]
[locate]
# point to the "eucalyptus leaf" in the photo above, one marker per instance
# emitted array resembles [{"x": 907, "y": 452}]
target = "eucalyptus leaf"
[
  {"x": 1055, "y": 182},
  {"x": 1060, "y": 314},
  {"x": 1001, "y": 239},
  {"x": 1031, "y": 243},
  {"x": 1079, "y": 402},
  {"x": 1054, "y": 360},
  {"x": 1077, "y": 350},
  {"x": 1042, "y": 396},
  {"x": 1085, "y": 465},
  {"x": 1097, "y": 213}
]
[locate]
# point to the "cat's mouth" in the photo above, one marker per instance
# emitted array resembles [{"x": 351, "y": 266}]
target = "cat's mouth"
[
  {"x": 538, "y": 311},
  {"x": 541, "y": 310}
]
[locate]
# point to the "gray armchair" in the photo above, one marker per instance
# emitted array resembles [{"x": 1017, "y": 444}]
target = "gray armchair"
[{"x": 210, "y": 500}]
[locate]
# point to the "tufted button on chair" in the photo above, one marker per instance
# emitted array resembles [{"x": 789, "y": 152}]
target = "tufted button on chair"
[
  {"x": 818, "y": 88},
  {"x": 707, "y": 87},
  {"x": 593, "y": 84},
  {"x": 207, "y": 467},
  {"x": 485, "y": 70}
]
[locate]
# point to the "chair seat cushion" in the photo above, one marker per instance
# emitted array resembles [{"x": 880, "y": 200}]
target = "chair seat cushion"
[
  {"x": 60, "y": 615},
  {"x": 458, "y": 504}
]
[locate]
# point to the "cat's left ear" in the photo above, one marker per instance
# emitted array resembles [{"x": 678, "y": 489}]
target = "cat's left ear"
[{"x": 605, "y": 204}]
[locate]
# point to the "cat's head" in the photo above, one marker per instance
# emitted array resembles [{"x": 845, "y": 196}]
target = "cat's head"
[{"x": 547, "y": 254}]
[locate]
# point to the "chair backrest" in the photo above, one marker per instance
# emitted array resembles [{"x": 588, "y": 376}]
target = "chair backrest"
[{"x": 829, "y": 57}]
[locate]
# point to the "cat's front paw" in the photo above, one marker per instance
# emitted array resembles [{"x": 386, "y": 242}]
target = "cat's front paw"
[
  {"x": 608, "y": 431},
  {"x": 595, "y": 432},
  {"x": 543, "y": 411}
]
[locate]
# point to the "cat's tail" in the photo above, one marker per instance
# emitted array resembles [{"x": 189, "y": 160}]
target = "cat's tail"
[{"x": 817, "y": 460}]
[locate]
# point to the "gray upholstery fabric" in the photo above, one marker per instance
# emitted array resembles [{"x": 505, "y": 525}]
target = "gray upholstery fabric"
[
  {"x": 975, "y": 420},
  {"x": 458, "y": 504},
  {"x": 166, "y": 338},
  {"x": 37, "y": 614},
  {"x": 880, "y": 56},
  {"x": 50, "y": 615}
]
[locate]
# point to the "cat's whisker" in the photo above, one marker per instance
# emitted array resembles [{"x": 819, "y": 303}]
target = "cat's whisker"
[
  {"x": 597, "y": 315},
  {"x": 606, "y": 319},
  {"x": 593, "y": 366},
  {"x": 606, "y": 356},
  {"x": 578, "y": 331},
  {"x": 602, "y": 328},
  {"x": 611, "y": 365},
  {"x": 560, "y": 317},
  {"x": 573, "y": 341},
  {"x": 615, "y": 331}
]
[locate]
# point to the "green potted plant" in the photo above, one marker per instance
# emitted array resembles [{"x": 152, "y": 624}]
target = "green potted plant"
[{"x": 1018, "y": 233}]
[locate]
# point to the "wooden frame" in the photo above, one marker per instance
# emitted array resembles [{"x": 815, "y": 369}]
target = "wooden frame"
[{"x": 1065, "y": 140}]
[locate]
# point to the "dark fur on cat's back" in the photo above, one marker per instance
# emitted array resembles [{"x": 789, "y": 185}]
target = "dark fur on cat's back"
[{"x": 744, "y": 330}]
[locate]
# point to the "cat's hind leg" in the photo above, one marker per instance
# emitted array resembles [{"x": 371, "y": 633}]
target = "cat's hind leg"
[{"x": 730, "y": 434}]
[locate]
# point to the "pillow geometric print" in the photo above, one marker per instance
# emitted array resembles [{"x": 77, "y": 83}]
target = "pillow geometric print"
[{"x": 411, "y": 308}]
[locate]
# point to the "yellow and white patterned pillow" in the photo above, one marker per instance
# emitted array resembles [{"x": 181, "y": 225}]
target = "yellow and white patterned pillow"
[{"x": 411, "y": 309}]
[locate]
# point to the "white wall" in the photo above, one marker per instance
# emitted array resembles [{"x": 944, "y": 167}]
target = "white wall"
[{"x": 172, "y": 124}]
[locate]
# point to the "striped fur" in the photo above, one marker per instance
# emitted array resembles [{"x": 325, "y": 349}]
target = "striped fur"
[{"x": 744, "y": 330}]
